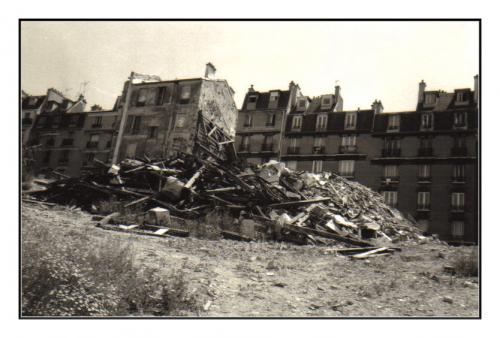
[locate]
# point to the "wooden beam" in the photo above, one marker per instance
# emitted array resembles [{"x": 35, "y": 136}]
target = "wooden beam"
[{"x": 298, "y": 203}]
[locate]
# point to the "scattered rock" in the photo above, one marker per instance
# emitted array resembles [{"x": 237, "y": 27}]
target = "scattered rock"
[{"x": 448, "y": 299}]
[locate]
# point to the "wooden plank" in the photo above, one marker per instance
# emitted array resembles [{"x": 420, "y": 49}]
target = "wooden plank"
[
  {"x": 301, "y": 202},
  {"x": 369, "y": 253},
  {"x": 108, "y": 218},
  {"x": 325, "y": 234},
  {"x": 161, "y": 231},
  {"x": 140, "y": 200}
]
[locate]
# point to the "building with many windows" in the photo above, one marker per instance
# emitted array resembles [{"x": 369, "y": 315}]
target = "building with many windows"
[
  {"x": 424, "y": 162},
  {"x": 160, "y": 117}
]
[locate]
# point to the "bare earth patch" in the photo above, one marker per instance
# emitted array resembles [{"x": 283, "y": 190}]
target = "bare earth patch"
[{"x": 276, "y": 279}]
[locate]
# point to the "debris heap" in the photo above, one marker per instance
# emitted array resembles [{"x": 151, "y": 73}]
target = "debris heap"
[{"x": 270, "y": 200}]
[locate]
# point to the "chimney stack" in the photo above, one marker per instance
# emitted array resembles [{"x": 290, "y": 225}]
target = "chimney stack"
[
  {"x": 210, "y": 71},
  {"x": 337, "y": 92},
  {"x": 251, "y": 90},
  {"x": 476, "y": 88},
  {"x": 421, "y": 89},
  {"x": 377, "y": 107},
  {"x": 95, "y": 107}
]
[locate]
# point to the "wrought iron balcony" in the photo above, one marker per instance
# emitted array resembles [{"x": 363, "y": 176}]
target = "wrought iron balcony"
[
  {"x": 348, "y": 149},
  {"x": 425, "y": 152},
  {"x": 267, "y": 147},
  {"x": 318, "y": 150},
  {"x": 293, "y": 150},
  {"x": 244, "y": 147},
  {"x": 391, "y": 152},
  {"x": 92, "y": 144},
  {"x": 67, "y": 142}
]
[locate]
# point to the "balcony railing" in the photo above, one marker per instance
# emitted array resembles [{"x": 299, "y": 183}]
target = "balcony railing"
[
  {"x": 246, "y": 124},
  {"x": 293, "y": 150},
  {"x": 270, "y": 124},
  {"x": 423, "y": 207},
  {"x": 267, "y": 147},
  {"x": 458, "y": 179},
  {"x": 97, "y": 125},
  {"x": 389, "y": 179},
  {"x": 423, "y": 152},
  {"x": 318, "y": 150},
  {"x": 391, "y": 152},
  {"x": 92, "y": 144},
  {"x": 425, "y": 179},
  {"x": 457, "y": 208},
  {"x": 244, "y": 147},
  {"x": 348, "y": 149},
  {"x": 459, "y": 151}
]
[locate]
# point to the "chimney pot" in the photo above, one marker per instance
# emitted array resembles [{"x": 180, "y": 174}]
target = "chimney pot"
[{"x": 210, "y": 71}]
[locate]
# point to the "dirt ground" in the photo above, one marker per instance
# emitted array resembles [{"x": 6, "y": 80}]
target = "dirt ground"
[{"x": 277, "y": 279}]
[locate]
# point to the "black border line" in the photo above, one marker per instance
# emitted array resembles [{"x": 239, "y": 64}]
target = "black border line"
[{"x": 479, "y": 163}]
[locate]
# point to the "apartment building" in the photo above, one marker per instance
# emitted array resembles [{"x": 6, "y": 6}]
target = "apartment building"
[
  {"x": 424, "y": 162},
  {"x": 57, "y": 129},
  {"x": 160, "y": 117}
]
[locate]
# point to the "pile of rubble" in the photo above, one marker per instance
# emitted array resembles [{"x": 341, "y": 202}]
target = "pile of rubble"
[{"x": 266, "y": 202}]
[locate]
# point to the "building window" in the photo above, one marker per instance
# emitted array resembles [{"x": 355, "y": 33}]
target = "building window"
[
  {"x": 346, "y": 168},
  {"x": 248, "y": 120},
  {"x": 457, "y": 201},
  {"x": 245, "y": 143},
  {"x": 393, "y": 123},
  {"x": 90, "y": 157},
  {"x": 426, "y": 121},
  {"x": 302, "y": 103},
  {"x": 348, "y": 144},
  {"x": 317, "y": 166},
  {"x": 391, "y": 198},
  {"x": 458, "y": 172},
  {"x": 326, "y": 101},
  {"x": 271, "y": 119},
  {"x": 321, "y": 122},
  {"x": 50, "y": 142},
  {"x": 319, "y": 145},
  {"x": 423, "y": 200},
  {"x": 297, "y": 123},
  {"x": 93, "y": 141},
  {"x": 391, "y": 171},
  {"x": 185, "y": 94},
  {"x": 430, "y": 99},
  {"x": 424, "y": 171},
  {"x": 291, "y": 165},
  {"x": 457, "y": 228},
  {"x": 152, "y": 132},
  {"x": 252, "y": 102},
  {"x": 142, "y": 97},
  {"x": 163, "y": 96},
  {"x": 350, "y": 121},
  {"x": 392, "y": 147},
  {"x": 64, "y": 158},
  {"x": 136, "y": 125},
  {"x": 180, "y": 120},
  {"x": 97, "y": 122},
  {"x": 274, "y": 97},
  {"x": 461, "y": 97},
  {"x": 293, "y": 146},
  {"x": 268, "y": 143},
  {"x": 460, "y": 120}
]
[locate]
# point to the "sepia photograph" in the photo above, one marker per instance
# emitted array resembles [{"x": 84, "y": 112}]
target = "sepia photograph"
[{"x": 278, "y": 168}]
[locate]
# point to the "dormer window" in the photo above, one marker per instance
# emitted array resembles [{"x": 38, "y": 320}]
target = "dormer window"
[
  {"x": 32, "y": 101},
  {"x": 141, "y": 97},
  {"x": 393, "y": 123},
  {"x": 297, "y": 123},
  {"x": 426, "y": 122},
  {"x": 350, "y": 121},
  {"x": 430, "y": 99},
  {"x": 460, "y": 120},
  {"x": 302, "y": 103},
  {"x": 321, "y": 122},
  {"x": 252, "y": 102},
  {"x": 274, "y": 97},
  {"x": 460, "y": 97}
]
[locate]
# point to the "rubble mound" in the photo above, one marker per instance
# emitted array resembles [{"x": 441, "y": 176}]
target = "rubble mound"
[{"x": 270, "y": 199}]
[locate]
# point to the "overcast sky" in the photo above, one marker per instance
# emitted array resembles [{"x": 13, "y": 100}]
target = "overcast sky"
[{"x": 369, "y": 60}]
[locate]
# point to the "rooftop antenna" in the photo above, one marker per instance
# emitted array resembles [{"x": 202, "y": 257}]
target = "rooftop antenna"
[{"x": 83, "y": 87}]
